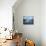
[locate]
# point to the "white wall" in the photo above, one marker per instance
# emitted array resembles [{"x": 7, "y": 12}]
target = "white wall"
[
  {"x": 43, "y": 22},
  {"x": 6, "y": 13},
  {"x": 29, "y": 8}
]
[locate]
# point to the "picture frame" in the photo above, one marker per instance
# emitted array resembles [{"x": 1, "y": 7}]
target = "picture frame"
[{"x": 28, "y": 20}]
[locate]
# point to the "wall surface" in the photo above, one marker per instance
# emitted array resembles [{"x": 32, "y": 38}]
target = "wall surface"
[
  {"x": 43, "y": 22},
  {"x": 6, "y": 13},
  {"x": 29, "y": 8}
]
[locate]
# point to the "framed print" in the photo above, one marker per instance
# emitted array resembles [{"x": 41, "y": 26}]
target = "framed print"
[{"x": 28, "y": 20}]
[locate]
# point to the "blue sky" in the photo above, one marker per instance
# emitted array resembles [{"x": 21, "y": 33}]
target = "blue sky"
[{"x": 28, "y": 17}]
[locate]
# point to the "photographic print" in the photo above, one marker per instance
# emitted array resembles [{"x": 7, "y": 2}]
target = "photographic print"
[{"x": 28, "y": 20}]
